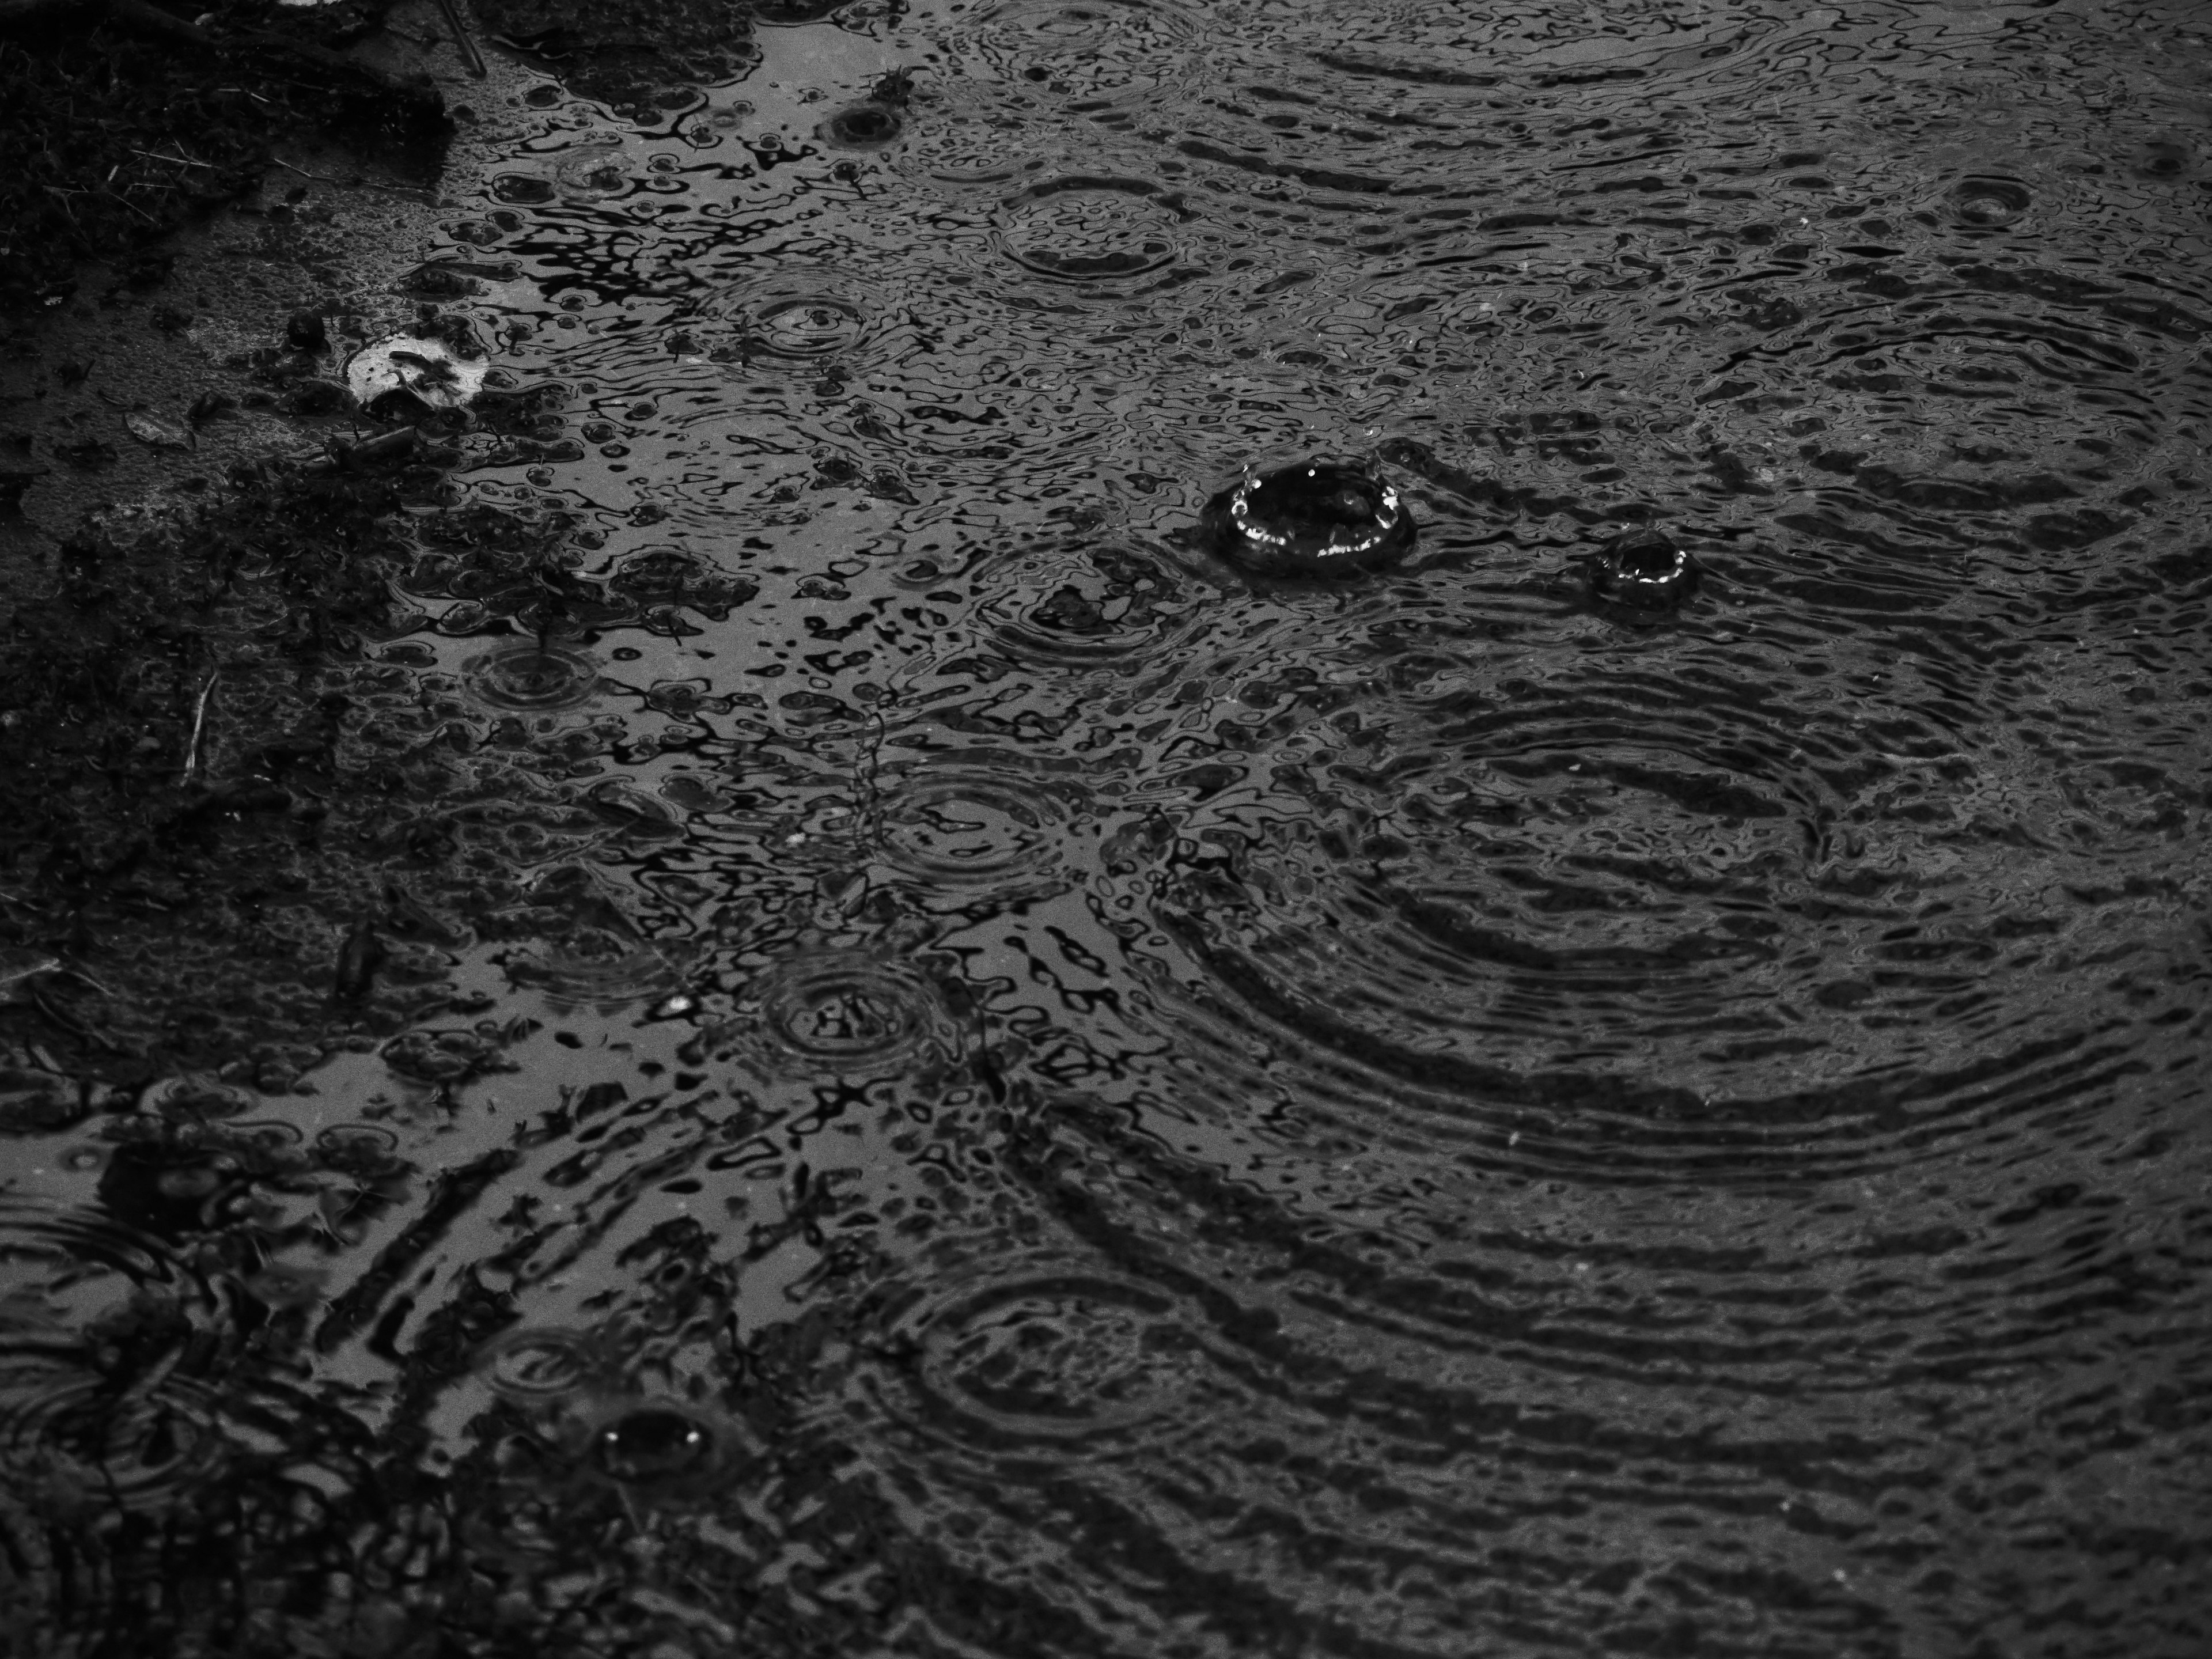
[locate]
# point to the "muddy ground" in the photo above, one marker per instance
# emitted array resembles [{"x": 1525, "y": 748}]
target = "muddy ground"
[{"x": 230, "y": 836}]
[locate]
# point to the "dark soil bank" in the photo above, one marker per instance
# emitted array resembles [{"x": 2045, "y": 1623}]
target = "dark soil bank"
[
  {"x": 215, "y": 808},
  {"x": 119, "y": 121}
]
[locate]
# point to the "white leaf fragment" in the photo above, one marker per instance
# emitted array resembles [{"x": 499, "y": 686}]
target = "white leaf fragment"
[
  {"x": 160, "y": 433},
  {"x": 427, "y": 368}
]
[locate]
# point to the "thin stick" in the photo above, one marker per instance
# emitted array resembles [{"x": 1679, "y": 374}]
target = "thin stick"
[
  {"x": 356, "y": 183},
  {"x": 199, "y": 724},
  {"x": 474, "y": 59},
  {"x": 133, "y": 206}
]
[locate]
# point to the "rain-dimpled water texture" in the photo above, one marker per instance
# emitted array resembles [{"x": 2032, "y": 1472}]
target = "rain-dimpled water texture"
[{"x": 1041, "y": 1096}]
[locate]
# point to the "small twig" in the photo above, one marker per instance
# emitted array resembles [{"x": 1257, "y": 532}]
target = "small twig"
[
  {"x": 320, "y": 178},
  {"x": 417, "y": 89},
  {"x": 469, "y": 53},
  {"x": 133, "y": 206},
  {"x": 15, "y": 976},
  {"x": 355, "y": 183},
  {"x": 199, "y": 726},
  {"x": 174, "y": 161},
  {"x": 68, "y": 1022},
  {"x": 79, "y": 974}
]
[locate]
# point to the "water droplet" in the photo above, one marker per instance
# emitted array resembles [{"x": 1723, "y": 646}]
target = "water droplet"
[
  {"x": 662, "y": 1445},
  {"x": 1320, "y": 518},
  {"x": 1990, "y": 201},
  {"x": 1643, "y": 570}
]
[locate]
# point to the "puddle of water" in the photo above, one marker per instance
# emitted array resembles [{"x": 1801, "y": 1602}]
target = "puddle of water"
[{"x": 1016, "y": 1084}]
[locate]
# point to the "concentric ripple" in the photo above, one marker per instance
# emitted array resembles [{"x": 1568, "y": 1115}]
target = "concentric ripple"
[
  {"x": 93, "y": 1396},
  {"x": 1078, "y": 229},
  {"x": 969, "y": 144},
  {"x": 541, "y": 1364},
  {"x": 978, "y": 824},
  {"x": 1081, "y": 607},
  {"x": 1516, "y": 1107},
  {"x": 867, "y": 125},
  {"x": 80, "y": 1250},
  {"x": 1054, "y": 1353},
  {"x": 1990, "y": 201},
  {"x": 533, "y": 678},
  {"x": 1672, "y": 915},
  {"x": 596, "y": 968},
  {"x": 846, "y": 1011},
  {"x": 800, "y": 317},
  {"x": 60, "y": 1418},
  {"x": 1085, "y": 52},
  {"x": 1542, "y": 903}
]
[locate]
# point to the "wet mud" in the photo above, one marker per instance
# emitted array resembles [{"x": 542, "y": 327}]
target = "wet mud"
[{"x": 1126, "y": 828}]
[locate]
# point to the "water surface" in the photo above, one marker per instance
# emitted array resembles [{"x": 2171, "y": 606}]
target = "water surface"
[{"x": 1050, "y": 1098}]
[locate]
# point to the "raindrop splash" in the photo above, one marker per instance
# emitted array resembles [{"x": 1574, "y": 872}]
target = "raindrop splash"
[
  {"x": 1321, "y": 518},
  {"x": 533, "y": 678}
]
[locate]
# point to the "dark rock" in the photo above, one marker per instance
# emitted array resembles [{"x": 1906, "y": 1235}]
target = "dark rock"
[
  {"x": 14, "y": 481},
  {"x": 398, "y": 407},
  {"x": 87, "y": 453},
  {"x": 316, "y": 398}
]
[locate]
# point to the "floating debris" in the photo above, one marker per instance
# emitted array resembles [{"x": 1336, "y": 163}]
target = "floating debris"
[{"x": 423, "y": 370}]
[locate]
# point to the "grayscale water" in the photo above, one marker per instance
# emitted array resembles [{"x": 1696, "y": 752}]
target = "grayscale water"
[{"x": 1039, "y": 1097}]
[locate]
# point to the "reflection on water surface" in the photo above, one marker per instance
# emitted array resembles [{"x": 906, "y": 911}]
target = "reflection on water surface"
[{"x": 1042, "y": 1094}]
